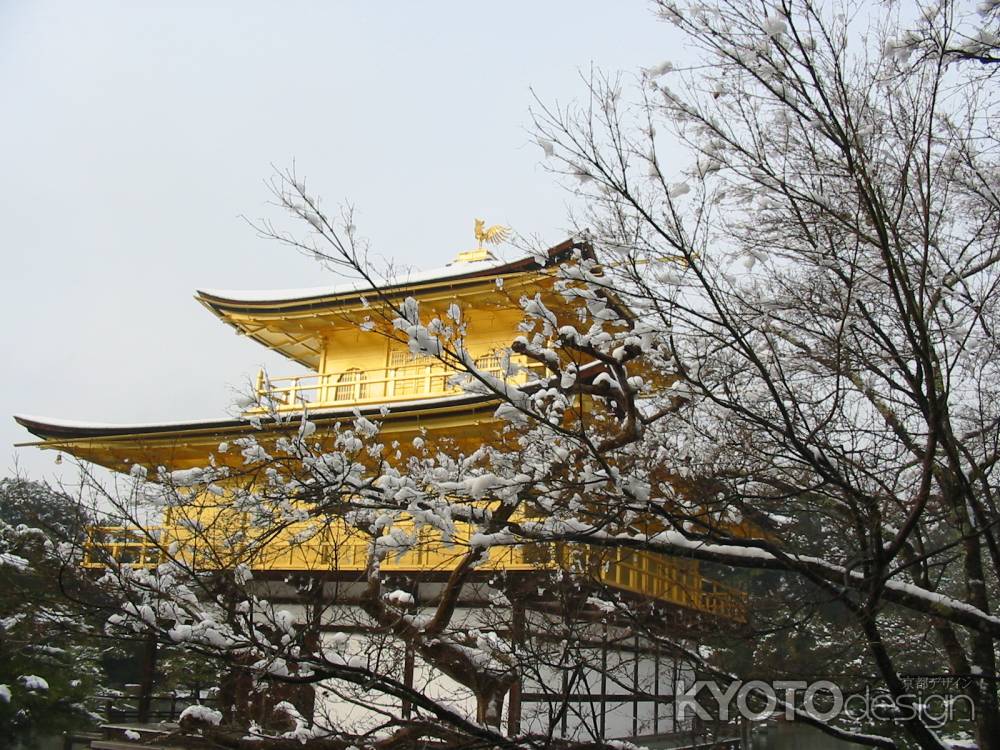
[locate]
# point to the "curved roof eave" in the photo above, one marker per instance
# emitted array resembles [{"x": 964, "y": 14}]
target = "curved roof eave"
[{"x": 59, "y": 430}]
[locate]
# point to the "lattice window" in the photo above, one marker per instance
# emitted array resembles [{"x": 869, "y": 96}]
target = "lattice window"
[
  {"x": 351, "y": 386},
  {"x": 491, "y": 363},
  {"x": 408, "y": 377},
  {"x": 401, "y": 358},
  {"x": 410, "y": 374}
]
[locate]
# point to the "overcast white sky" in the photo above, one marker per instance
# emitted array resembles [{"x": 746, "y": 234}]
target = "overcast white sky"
[{"x": 134, "y": 137}]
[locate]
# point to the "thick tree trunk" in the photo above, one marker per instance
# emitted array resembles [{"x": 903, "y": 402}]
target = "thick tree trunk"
[
  {"x": 148, "y": 680},
  {"x": 234, "y": 696}
]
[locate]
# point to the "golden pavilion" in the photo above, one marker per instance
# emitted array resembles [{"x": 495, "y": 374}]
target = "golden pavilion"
[{"x": 353, "y": 369}]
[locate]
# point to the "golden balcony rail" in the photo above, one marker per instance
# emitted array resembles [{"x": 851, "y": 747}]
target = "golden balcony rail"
[
  {"x": 406, "y": 381},
  {"x": 674, "y": 580},
  {"x": 123, "y": 545}
]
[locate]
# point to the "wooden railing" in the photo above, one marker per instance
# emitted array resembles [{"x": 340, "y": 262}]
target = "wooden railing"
[
  {"x": 674, "y": 580},
  {"x": 139, "y": 548},
  {"x": 420, "y": 380}
]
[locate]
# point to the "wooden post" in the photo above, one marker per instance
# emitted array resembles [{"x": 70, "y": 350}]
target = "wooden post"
[
  {"x": 604, "y": 679},
  {"x": 514, "y": 696},
  {"x": 656, "y": 689},
  {"x": 408, "y": 665},
  {"x": 746, "y": 737},
  {"x": 635, "y": 689},
  {"x": 148, "y": 678}
]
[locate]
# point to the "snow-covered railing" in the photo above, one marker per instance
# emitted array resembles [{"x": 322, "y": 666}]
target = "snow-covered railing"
[
  {"x": 674, "y": 580},
  {"x": 420, "y": 380}
]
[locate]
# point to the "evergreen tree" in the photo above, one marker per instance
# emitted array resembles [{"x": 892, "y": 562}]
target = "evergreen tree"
[{"x": 49, "y": 616}]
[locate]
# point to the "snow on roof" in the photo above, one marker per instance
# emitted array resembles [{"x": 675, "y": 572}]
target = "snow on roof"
[{"x": 404, "y": 278}]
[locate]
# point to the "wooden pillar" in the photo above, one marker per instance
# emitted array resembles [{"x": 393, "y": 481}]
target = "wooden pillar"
[
  {"x": 408, "y": 666},
  {"x": 675, "y": 679},
  {"x": 604, "y": 680},
  {"x": 514, "y": 696},
  {"x": 656, "y": 689},
  {"x": 635, "y": 688},
  {"x": 148, "y": 678},
  {"x": 564, "y": 709},
  {"x": 746, "y": 734}
]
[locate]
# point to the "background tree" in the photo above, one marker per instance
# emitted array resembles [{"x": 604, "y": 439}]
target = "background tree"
[
  {"x": 824, "y": 276},
  {"x": 50, "y": 647}
]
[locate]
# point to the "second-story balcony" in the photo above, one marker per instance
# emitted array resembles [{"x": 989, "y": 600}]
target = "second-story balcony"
[
  {"x": 408, "y": 381},
  {"x": 673, "y": 580}
]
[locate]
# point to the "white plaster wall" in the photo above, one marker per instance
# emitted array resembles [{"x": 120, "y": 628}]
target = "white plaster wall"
[{"x": 352, "y": 707}]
